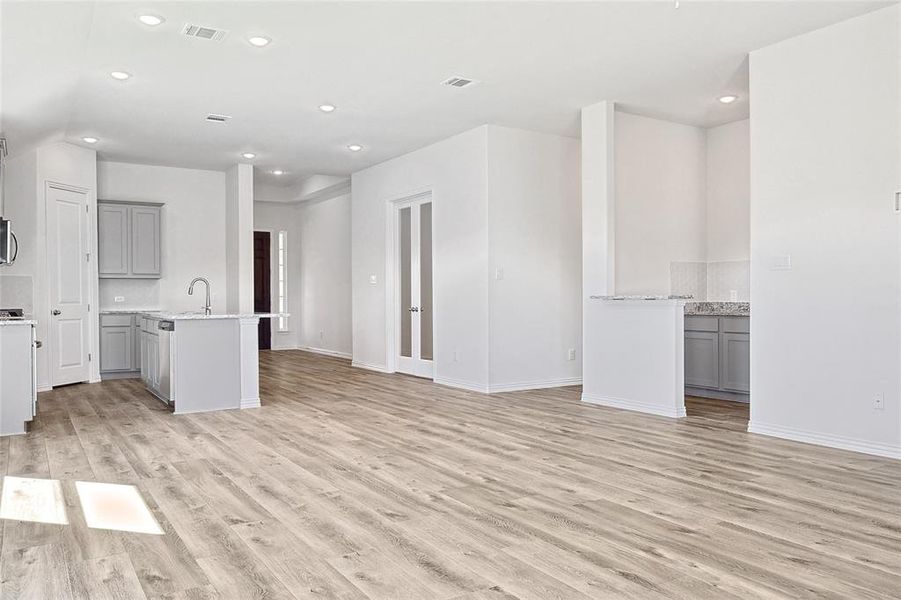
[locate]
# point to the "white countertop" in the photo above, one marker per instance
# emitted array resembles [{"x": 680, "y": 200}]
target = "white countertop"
[
  {"x": 166, "y": 316},
  {"x": 127, "y": 311},
  {"x": 12, "y": 322}
]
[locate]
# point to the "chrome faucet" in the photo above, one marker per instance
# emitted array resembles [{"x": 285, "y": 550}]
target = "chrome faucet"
[{"x": 207, "y": 309}]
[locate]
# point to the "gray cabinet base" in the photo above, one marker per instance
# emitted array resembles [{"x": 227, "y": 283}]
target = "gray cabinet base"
[{"x": 716, "y": 394}]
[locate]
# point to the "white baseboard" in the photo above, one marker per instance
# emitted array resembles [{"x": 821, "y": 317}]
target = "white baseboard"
[
  {"x": 463, "y": 385},
  {"x": 326, "y": 352},
  {"x": 533, "y": 385},
  {"x": 44, "y": 388},
  {"x": 370, "y": 366},
  {"x": 635, "y": 405},
  {"x": 250, "y": 403},
  {"x": 824, "y": 439}
]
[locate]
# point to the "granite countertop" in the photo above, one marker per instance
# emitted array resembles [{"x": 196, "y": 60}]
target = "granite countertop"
[
  {"x": 199, "y": 316},
  {"x": 718, "y": 309},
  {"x": 649, "y": 297},
  {"x": 12, "y": 322},
  {"x": 127, "y": 311}
]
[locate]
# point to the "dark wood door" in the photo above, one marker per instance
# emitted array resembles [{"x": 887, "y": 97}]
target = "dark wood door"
[{"x": 262, "y": 296}]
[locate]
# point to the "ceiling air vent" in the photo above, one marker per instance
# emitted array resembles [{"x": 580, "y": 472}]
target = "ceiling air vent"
[
  {"x": 459, "y": 82},
  {"x": 204, "y": 33},
  {"x": 217, "y": 118}
]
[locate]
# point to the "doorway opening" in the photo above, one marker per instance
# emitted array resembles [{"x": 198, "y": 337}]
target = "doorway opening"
[
  {"x": 413, "y": 303},
  {"x": 262, "y": 287}
]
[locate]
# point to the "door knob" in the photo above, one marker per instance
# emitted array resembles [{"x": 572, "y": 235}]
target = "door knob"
[{"x": 56, "y": 312}]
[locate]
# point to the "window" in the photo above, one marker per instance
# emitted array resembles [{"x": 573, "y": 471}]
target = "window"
[{"x": 283, "y": 279}]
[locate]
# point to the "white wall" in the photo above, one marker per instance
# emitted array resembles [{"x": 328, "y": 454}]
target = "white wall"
[
  {"x": 825, "y": 163},
  {"x": 454, "y": 170},
  {"x": 193, "y": 225},
  {"x": 324, "y": 265},
  {"x": 534, "y": 211},
  {"x": 660, "y": 214},
  {"x": 729, "y": 192}
]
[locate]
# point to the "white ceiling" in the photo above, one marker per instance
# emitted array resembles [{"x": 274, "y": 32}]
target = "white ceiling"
[{"x": 381, "y": 63}]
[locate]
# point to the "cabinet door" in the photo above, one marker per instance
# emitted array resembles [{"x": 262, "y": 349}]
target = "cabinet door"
[
  {"x": 735, "y": 358},
  {"x": 116, "y": 347},
  {"x": 136, "y": 336},
  {"x": 145, "y": 241},
  {"x": 112, "y": 240},
  {"x": 153, "y": 361},
  {"x": 702, "y": 359}
]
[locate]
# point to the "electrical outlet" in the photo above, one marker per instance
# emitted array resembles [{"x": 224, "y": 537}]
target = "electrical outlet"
[
  {"x": 456, "y": 355},
  {"x": 321, "y": 335},
  {"x": 879, "y": 401},
  {"x": 499, "y": 273},
  {"x": 373, "y": 280},
  {"x": 119, "y": 299},
  {"x": 571, "y": 355},
  {"x": 733, "y": 295}
]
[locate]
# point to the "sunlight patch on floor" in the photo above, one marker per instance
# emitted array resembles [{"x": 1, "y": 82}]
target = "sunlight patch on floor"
[
  {"x": 36, "y": 500},
  {"x": 115, "y": 506}
]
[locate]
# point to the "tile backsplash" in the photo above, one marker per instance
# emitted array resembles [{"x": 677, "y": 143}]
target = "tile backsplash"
[
  {"x": 713, "y": 281},
  {"x": 138, "y": 293}
]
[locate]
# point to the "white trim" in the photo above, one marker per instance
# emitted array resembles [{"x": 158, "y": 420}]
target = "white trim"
[
  {"x": 45, "y": 388},
  {"x": 463, "y": 385},
  {"x": 533, "y": 385},
  {"x": 249, "y": 403},
  {"x": 326, "y": 352},
  {"x": 825, "y": 439},
  {"x": 645, "y": 407},
  {"x": 370, "y": 366}
]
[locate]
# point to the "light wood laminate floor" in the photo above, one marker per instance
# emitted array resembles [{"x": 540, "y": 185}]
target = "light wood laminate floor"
[{"x": 349, "y": 484}]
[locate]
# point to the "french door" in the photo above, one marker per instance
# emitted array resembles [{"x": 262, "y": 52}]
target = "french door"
[
  {"x": 67, "y": 264},
  {"x": 415, "y": 315}
]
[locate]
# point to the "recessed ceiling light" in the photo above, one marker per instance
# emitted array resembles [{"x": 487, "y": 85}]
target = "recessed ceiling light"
[
  {"x": 249, "y": 155},
  {"x": 120, "y": 75},
  {"x": 90, "y": 140},
  {"x": 327, "y": 107},
  {"x": 728, "y": 99},
  {"x": 259, "y": 41},
  {"x": 278, "y": 172},
  {"x": 355, "y": 147},
  {"x": 150, "y": 20}
]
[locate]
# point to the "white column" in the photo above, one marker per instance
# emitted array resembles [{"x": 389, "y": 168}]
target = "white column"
[
  {"x": 598, "y": 203},
  {"x": 598, "y": 199},
  {"x": 239, "y": 239},
  {"x": 250, "y": 363}
]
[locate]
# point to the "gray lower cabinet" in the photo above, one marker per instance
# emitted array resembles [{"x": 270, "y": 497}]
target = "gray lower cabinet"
[
  {"x": 718, "y": 357},
  {"x": 128, "y": 239},
  {"x": 120, "y": 348},
  {"x": 702, "y": 359}
]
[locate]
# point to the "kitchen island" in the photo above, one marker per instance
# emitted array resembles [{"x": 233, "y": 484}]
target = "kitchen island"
[{"x": 196, "y": 362}]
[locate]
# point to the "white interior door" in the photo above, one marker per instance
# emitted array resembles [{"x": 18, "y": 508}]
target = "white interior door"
[
  {"x": 415, "y": 316},
  {"x": 68, "y": 275}
]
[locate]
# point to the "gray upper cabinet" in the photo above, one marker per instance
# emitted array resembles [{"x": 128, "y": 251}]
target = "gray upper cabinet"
[
  {"x": 112, "y": 223},
  {"x": 129, "y": 240}
]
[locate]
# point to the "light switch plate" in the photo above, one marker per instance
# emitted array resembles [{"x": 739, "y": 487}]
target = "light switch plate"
[
  {"x": 499, "y": 273},
  {"x": 119, "y": 299},
  {"x": 373, "y": 280}
]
